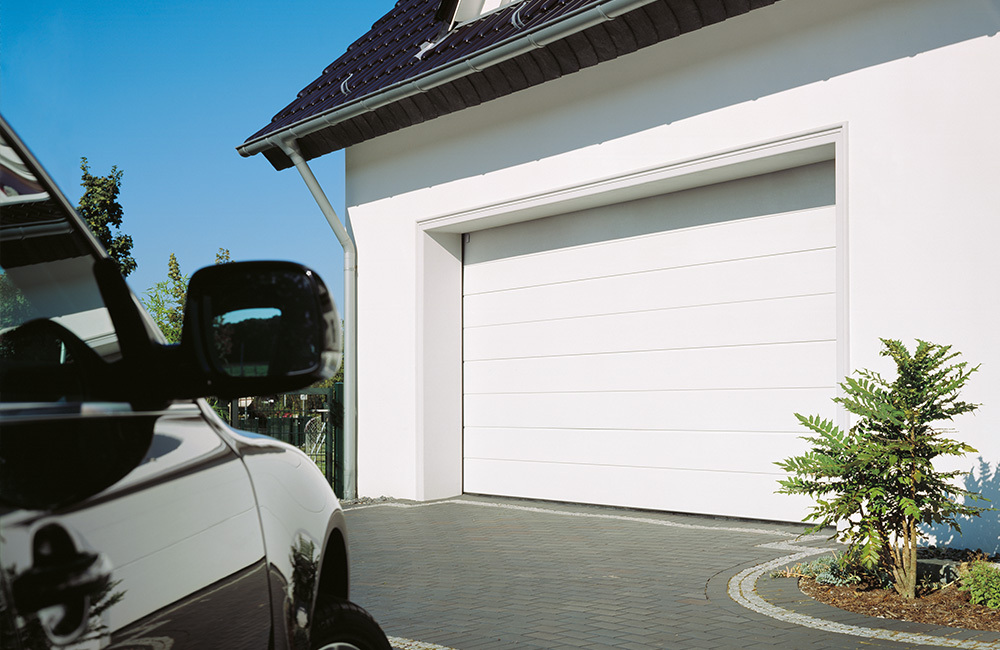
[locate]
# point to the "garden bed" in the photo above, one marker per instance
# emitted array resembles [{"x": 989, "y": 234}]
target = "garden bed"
[{"x": 942, "y": 606}]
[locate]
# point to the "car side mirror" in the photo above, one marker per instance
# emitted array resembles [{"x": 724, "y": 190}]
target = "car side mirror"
[{"x": 256, "y": 328}]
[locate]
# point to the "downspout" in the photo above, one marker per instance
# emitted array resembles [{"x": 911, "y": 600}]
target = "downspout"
[{"x": 291, "y": 149}]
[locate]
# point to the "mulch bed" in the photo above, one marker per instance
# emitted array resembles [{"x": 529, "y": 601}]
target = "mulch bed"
[{"x": 944, "y": 606}]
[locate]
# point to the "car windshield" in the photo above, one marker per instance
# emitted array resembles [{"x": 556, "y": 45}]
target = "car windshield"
[{"x": 52, "y": 317}]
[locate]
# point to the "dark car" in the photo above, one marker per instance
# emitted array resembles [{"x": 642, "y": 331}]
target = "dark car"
[{"x": 131, "y": 515}]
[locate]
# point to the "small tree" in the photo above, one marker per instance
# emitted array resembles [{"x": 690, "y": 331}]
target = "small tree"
[
  {"x": 878, "y": 480},
  {"x": 165, "y": 301},
  {"x": 99, "y": 207}
]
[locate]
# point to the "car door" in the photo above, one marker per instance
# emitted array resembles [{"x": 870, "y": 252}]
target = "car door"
[{"x": 180, "y": 539}]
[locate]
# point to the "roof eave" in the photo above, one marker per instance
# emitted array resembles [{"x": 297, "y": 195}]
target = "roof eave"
[{"x": 354, "y": 113}]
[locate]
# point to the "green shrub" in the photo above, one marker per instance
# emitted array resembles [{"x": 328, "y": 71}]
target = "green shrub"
[
  {"x": 982, "y": 581},
  {"x": 839, "y": 570},
  {"x": 878, "y": 480}
]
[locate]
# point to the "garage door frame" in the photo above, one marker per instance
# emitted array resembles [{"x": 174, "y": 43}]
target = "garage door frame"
[{"x": 439, "y": 392}]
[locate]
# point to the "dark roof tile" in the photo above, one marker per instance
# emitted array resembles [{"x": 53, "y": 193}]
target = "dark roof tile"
[
  {"x": 547, "y": 64},
  {"x": 352, "y": 130},
  {"x": 485, "y": 87},
  {"x": 565, "y": 57},
  {"x": 395, "y": 115},
  {"x": 513, "y": 73},
  {"x": 532, "y": 72},
  {"x": 496, "y": 78},
  {"x": 413, "y": 113},
  {"x": 601, "y": 40},
  {"x": 687, "y": 14},
  {"x": 467, "y": 91},
  {"x": 663, "y": 20},
  {"x": 712, "y": 11},
  {"x": 585, "y": 53},
  {"x": 622, "y": 37},
  {"x": 642, "y": 28},
  {"x": 387, "y": 56},
  {"x": 424, "y": 103}
]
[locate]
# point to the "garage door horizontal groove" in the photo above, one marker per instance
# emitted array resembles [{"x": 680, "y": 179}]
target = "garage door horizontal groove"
[
  {"x": 777, "y": 432},
  {"x": 653, "y": 311},
  {"x": 659, "y": 269},
  {"x": 669, "y": 468},
  {"x": 648, "y": 350},
  {"x": 728, "y": 389}
]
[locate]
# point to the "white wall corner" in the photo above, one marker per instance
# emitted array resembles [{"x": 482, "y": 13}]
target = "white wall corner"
[{"x": 439, "y": 365}]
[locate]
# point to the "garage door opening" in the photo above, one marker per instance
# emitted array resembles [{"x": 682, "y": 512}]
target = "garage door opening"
[{"x": 652, "y": 353}]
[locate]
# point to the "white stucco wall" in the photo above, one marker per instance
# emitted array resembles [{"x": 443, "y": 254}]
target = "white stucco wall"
[{"x": 909, "y": 87}]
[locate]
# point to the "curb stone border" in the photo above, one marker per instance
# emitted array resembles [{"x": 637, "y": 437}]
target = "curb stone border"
[
  {"x": 743, "y": 590},
  {"x": 409, "y": 644}
]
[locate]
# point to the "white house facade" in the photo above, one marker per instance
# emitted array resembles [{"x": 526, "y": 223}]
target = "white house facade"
[{"x": 618, "y": 286}]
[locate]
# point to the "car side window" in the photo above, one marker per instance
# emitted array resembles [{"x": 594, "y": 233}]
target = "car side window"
[{"x": 57, "y": 340}]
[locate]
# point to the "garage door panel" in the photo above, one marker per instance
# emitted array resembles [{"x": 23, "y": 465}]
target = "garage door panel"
[
  {"x": 793, "y": 274},
  {"x": 769, "y": 366},
  {"x": 695, "y": 410},
  {"x": 651, "y": 449},
  {"x": 759, "y": 237},
  {"x": 713, "y": 493},
  {"x": 729, "y": 203},
  {"x": 653, "y": 353},
  {"x": 780, "y": 320}
]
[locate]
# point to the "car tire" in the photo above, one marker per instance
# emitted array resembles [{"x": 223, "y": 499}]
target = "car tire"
[{"x": 342, "y": 625}]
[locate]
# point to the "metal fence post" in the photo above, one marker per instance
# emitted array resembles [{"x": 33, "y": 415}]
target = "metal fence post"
[
  {"x": 336, "y": 445},
  {"x": 328, "y": 437}
]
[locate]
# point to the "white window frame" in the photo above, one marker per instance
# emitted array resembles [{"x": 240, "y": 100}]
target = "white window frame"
[{"x": 470, "y": 10}]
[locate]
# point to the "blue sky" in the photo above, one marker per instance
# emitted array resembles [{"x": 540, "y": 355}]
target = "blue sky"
[{"x": 166, "y": 90}]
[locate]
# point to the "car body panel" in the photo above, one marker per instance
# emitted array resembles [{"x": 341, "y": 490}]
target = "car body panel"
[
  {"x": 299, "y": 516},
  {"x": 182, "y": 521}
]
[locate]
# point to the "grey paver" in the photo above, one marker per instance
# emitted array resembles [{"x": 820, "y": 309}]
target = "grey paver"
[{"x": 479, "y": 573}]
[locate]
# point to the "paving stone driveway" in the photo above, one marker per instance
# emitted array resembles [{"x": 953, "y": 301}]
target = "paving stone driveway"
[{"x": 476, "y": 572}]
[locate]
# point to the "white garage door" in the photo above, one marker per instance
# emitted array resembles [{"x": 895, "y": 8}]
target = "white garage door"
[{"x": 651, "y": 354}]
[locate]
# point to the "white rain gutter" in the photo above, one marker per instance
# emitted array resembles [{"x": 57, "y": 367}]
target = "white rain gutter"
[
  {"x": 531, "y": 40},
  {"x": 291, "y": 149},
  {"x": 286, "y": 140}
]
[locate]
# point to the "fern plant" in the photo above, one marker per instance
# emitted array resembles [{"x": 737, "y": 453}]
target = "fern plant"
[{"x": 877, "y": 481}]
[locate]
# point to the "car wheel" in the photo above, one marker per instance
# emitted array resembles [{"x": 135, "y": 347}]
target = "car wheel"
[{"x": 342, "y": 625}]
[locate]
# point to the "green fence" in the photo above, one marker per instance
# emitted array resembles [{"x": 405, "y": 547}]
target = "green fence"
[{"x": 311, "y": 419}]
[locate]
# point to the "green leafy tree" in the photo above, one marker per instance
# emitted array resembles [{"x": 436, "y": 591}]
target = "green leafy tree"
[
  {"x": 177, "y": 288},
  {"x": 100, "y": 208},
  {"x": 14, "y": 307},
  {"x": 165, "y": 301},
  {"x": 878, "y": 480}
]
